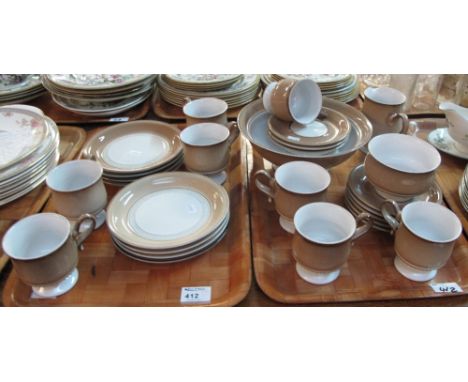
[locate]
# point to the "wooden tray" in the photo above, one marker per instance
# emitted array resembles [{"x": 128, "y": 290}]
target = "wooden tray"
[
  {"x": 71, "y": 141},
  {"x": 169, "y": 112},
  {"x": 369, "y": 274},
  {"x": 450, "y": 172},
  {"x": 64, "y": 116},
  {"x": 108, "y": 278}
]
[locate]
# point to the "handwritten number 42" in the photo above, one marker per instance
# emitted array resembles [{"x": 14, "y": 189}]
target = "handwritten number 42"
[{"x": 448, "y": 289}]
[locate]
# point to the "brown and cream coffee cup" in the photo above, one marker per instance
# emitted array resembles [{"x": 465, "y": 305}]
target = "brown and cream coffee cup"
[
  {"x": 44, "y": 247},
  {"x": 77, "y": 189},
  {"x": 207, "y": 109},
  {"x": 425, "y": 235},
  {"x": 207, "y": 146},
  {"x": 322, "y": 241},
  {"x": 293, "y": 185}
]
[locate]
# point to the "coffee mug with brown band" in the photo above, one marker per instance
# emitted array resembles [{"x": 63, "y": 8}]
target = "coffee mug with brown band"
[
  {"x": 323, "y": 240},
  {"x": 44, "y": 251},
  {"x": 383, "y": 106},
  {"x": 425, "y": 235},
  {"x": 207, "y": 109},
  {"x": 207, "y": 148},
  {"x": 293, "y": 185}
]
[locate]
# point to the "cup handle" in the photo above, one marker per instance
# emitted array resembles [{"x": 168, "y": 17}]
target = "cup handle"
[
  {"x": 80, "y": 237},
  {"x": 86, "y": 155},
  {"x": 267, "y": 190},
  {"x": 233, "y": 132},
  {"x": 187, "y": 100},
  {"x": 363, "y": 228},
  {"x": 393, "y": 221},
  {"x": 407, "y": 127}
]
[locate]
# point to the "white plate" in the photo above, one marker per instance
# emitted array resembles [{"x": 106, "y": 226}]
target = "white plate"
[{"x": 441, "y": 140}]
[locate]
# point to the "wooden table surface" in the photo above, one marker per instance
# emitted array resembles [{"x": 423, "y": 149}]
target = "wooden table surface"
[{"x": 256, "y": 298}]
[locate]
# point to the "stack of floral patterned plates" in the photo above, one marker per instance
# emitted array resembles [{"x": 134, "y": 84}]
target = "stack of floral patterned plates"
[
  {"x": 463, "y": 190},
  {"x": 99, "y": 94},
  {"x": 328, "y": 142},
  {"x": 325, "y": 133},
  {"x": 342, "y": 87},
  {"x": 169, "y": 217},
  {"x": 19, "y": 88},
  {"x": 28, "y": 150},
  {"x": 132, "y": 150},
  {"x": 361, "y": 196},
  {"x": 235, "y": 89}
]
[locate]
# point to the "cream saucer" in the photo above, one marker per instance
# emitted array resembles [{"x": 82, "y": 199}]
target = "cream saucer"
[
  {"x": 58, "y": 288},
  {"x": 441, "y": 140}
]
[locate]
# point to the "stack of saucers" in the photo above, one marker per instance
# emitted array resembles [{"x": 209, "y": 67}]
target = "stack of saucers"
[
  {"x": 327, "y": 132},
  {"x": 361, "y": 196},
  {"x": 99, "y": 94},
  {"x": 342, "y": 87},
  {"x": 19, "y": 88},
  {"x": 463, "y": 190},
  {"x": 169, "y": 217},
  {"x": 28, "y": 150},
  {"x": 132, "y": 150},
  {"x": 235, "y": 89}
]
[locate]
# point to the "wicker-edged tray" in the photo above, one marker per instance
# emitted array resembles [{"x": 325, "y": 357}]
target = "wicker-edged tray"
[
  {"x": 71, "y": 141},
  {"x": 369, "y": 274},
  {"x": 108, "y": 278},
  {"x": 64, "y": 116}
]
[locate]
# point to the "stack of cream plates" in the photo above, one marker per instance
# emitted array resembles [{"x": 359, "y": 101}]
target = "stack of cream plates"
[
  {"x": 28, "y": 150},
  {"x": 132, "y": 150},
  {"x": 327, "y": 132},
  {"x": 342, "y": 87},
  {"x": 235, "y": 89},
  {"x": 99, "y": 94},
  {"x": 168, "y": 217},
  {"x": 361, "y": 196},
  {"x": 19, "y": 88},
  {"x": 463, "y": 191}
]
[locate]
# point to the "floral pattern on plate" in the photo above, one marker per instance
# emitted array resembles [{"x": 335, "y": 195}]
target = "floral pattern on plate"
[
  {"x": 9, "y": 86},
  {"x": 20, "y": 133},
  {"x": 319, "y": 78},
  {"x": 95, "y": 80},
  {"x": 202, "y": 78}
]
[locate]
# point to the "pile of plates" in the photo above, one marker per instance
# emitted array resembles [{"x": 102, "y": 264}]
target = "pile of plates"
[
  {"x": 28, "y": 150},
  {"x": 338, "y": 132},
  {"x": 361, "y": 196},
  {"x": 342, "y": 87},
  {"x": 235, "y": 89},
  {"x": 462, "y": 190},
  {"x": 99, "y": 94},
  {"x": 132, "y": 150},
  {"x": 327, "y": 132},
  {"x": 19, "y": 88},
  {"x": 169, "y": 217}
]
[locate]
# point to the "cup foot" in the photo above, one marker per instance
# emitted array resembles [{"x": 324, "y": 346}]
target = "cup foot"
[
  {"x": 58, "y": 288},
  {"x": 309, "y": 130},
  {"x": 219, "y": 177},
  {"x": 286, "y": 224},
  {"x": 412, "y": 273},
  {"x": 317, "y": 278}
]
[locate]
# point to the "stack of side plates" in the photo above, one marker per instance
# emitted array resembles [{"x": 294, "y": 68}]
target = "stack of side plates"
[
  {"x": 19, "y": 88},
  {"x": 342, "y": 87},
  {"x": 462, "y": 190},
  {"x": 170, "y": 217},
  {"x": 99, "y": 94},
  {"x": 327, "y": 132},
  {"x": 361, "y": 196},
  {"x": 28, "y": 150},
  {"x": 132, "y": 150},
  {"x": 235, "y": 89}
]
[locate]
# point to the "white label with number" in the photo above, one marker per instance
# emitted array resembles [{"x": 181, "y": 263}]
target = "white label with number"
[
  {"x": 119, "y": 119},
  {"x": 446, "y": 288},
  {"x": 194, "y": 295}
]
